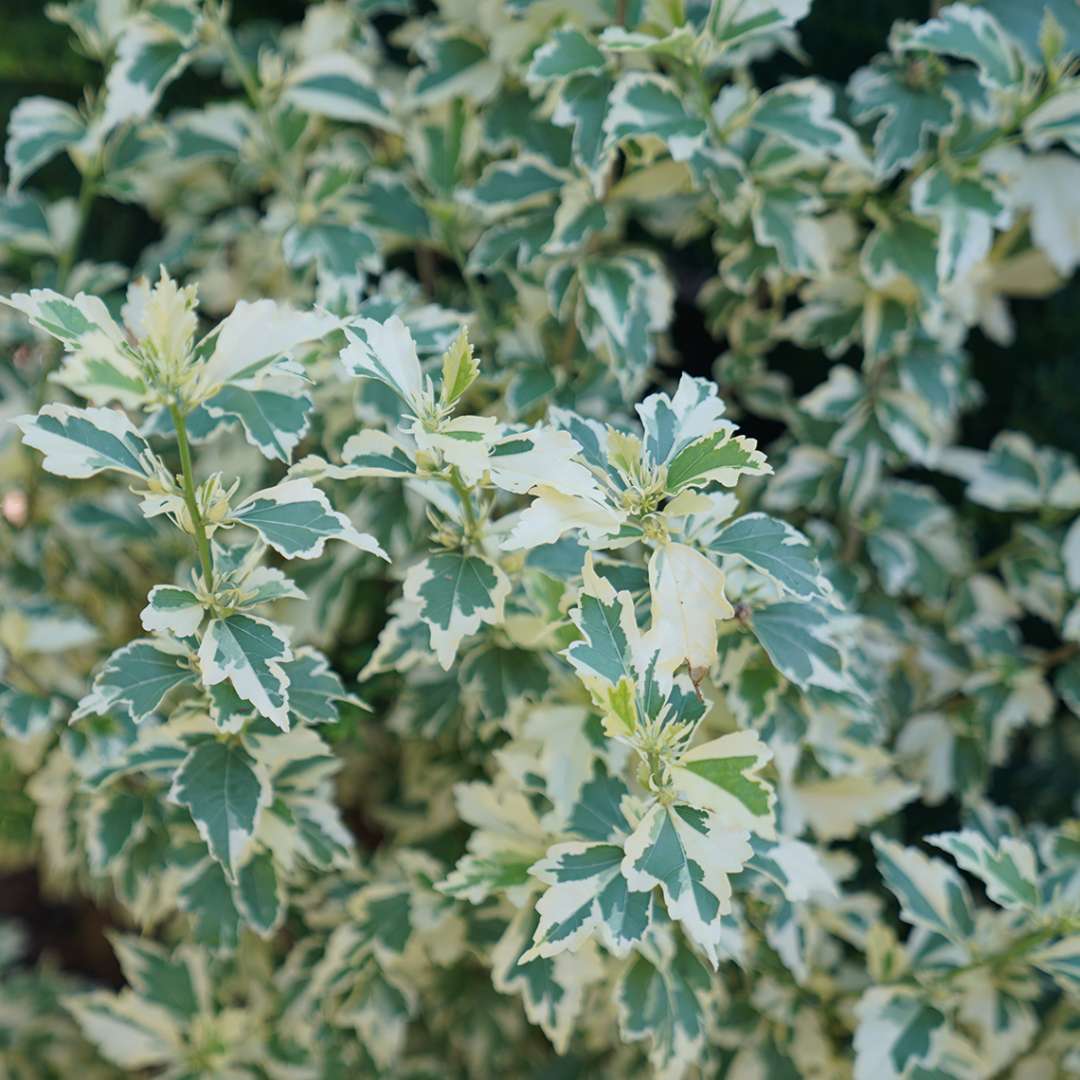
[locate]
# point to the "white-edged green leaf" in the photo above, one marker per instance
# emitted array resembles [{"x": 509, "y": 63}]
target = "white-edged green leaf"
[
  {"x": 339, "y": 86},
  {"x": 587, "y": 893},
  {"x": 689, "y": 854},
  {"x": 178, "y": 982},
  {"x": 802, "y": 114},
  {"x": 722, "y": 776},
  {"x": 909, "y": 115},
  {"x": 136, "y": 679},
  {"x": 1056, "y": 120},
  {"x": 172, "y": 610},
  {"x": 967, "y": 209},
  {"x": 24, "y": 715},
  {"x": 607, "y": 657},
  {"x": 274, "y": 422},
  {"x": 553, "y": 513},
  {"x": 254, "y": 334},
  {"x": 661, "y": 999},
  {"x": 930, "y": 892},
  {"x": 248, "y": 651},
  {"x": 226, "y": 790},
  {"x": 719, "y": 458},
  {"x": 650, "y": 105},
  {"x": 259, "y": 895},
  {"x": 687, "y": 591},
  {"x": 518, "y": 184},
  {"x": 1007, "y": 868},
  {"x": 520, "y": 462},
  {"x": 798, "y": 638},
  {"x": 374, "y": 453},
  {"x": 130, "y": 1032},
  {"x": 151, "y": 52},
  {"x": 566, "y": 52},
  {"x": 386, "y": 353},
  {"x": 733, "y": 22},
  {"x": 315, "y": 691},
  {"x": 1061, "y": 961},
  {"x": 295, "y": 518},
  {"x": 778, "y": 550},
  {"x": 898, "y": 1032},
  {"x": 553, "y": 988},
  {"x": 39, "y": 128},
  {"x": 971, "y": 34},
  {"x": 78, "y": 443},
  {"x": 456, "y": 594}
]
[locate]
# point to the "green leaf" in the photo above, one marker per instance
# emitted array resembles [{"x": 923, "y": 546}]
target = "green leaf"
[
  {"x": 456, "y": 593},
  {"x": 459, "y": 369},
  {"x": 785, "y": 218},
  {"x": 136, "y": 679},
  {"x": 128, "y": 1031},
  {"x": 689, "y": 854},
  {"x": 248, "y": 652},
  {"x": 456, "y": 66},
  {"x": 1061, "y": 961},
  {"x": 606, "y": 658},
  {"x": 386, "y": 352},
  {"x": 78, "y": 443},
  {"x": 226, "y": 790},
  {"x": 295, "y": 518},
  {"x": 39, "y": 128},
  {"x": 778, "y": 550}
]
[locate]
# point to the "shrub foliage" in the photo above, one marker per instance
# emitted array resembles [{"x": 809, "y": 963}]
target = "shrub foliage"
[{"x": 424, "y": 674}]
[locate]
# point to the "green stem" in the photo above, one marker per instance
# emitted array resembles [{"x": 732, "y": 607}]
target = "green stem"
[
  {"x": 476, "y": 294},
  {"x": 239, "y": 66},
  {"x": 64, "y": 264},
  {"x": 284, "y": 166},
  {"x": 87, "y": 191},
  {"x": 201, "y": 541},
  {"x": 465, "y": 495}
]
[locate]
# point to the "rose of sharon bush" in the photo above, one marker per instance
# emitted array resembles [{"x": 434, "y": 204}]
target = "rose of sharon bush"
[{"x": 413, "y": 656}]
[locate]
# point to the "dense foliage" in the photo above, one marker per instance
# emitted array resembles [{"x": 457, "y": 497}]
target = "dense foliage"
[{"x": 408, "y": 649}]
